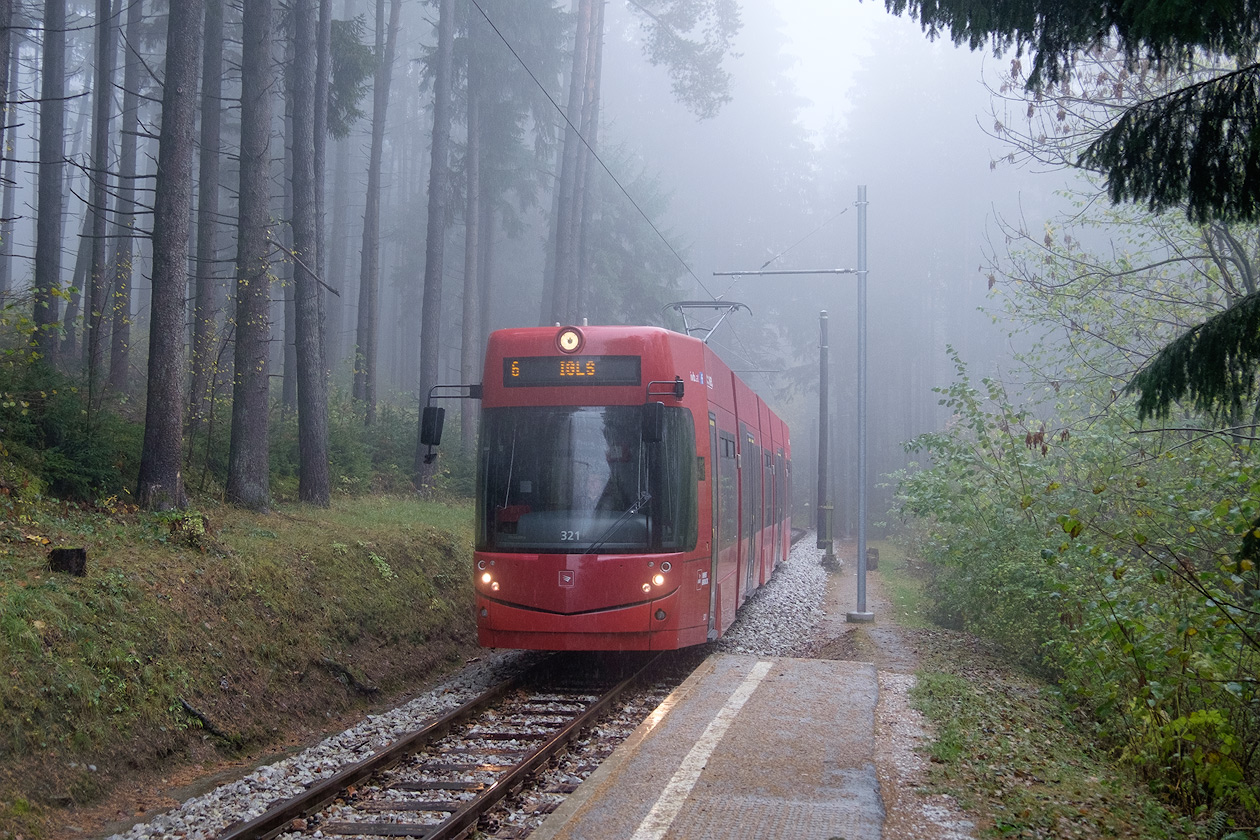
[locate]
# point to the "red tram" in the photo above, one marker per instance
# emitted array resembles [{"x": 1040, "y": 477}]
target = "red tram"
[{"x": 632, "y": 491}]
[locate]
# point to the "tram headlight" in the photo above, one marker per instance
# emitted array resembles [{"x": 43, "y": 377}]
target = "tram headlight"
[
  {"x": 569, "y": 340},
  {"x": 658, "y": 580},
  {"x": 647, "y": 587},
  {"x": 486, "y": 578}
]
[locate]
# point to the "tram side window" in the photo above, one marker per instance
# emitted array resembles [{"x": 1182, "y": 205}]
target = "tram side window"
[
  {"x": 770, "y": 495},
  {"x": 752, "y": 490},
  {"x": 728, "y": 492}
]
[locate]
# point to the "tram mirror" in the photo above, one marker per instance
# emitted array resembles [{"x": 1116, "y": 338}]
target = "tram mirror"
[
  {"x": 653, "y": 422},
  {"x": 431, "y": 425}
]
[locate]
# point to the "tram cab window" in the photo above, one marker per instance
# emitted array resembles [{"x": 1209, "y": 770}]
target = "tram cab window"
[{"x": 564, "y": 479}]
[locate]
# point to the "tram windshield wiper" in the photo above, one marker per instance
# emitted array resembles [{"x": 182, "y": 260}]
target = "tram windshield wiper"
[{"x": 635, "y": 507}]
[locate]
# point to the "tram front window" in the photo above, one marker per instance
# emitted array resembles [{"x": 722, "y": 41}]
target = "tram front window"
[{"x": 581, "y": 480}]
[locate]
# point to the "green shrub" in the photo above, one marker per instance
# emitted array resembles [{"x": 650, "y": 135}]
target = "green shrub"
[
  {"x": 49, "y": 431},
  {"x": 1119, "y": 570}
]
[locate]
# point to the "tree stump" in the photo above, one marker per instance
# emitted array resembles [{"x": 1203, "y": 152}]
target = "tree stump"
[
  {"x": 872, "y": 559},
  {"x": 72, "y": 561}
]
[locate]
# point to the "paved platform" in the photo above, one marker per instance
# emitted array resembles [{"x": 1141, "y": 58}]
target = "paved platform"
[{"x": 746, "y": 747}]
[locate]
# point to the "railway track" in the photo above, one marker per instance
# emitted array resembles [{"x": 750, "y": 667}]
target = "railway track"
[{"x": 440, "y": 781}]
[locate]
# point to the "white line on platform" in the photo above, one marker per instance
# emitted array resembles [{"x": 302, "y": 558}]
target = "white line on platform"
[{"x": 662, "y": 815}]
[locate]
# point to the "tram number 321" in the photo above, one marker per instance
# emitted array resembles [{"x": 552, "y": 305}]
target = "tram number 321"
[{"x": 570, "y": 536}]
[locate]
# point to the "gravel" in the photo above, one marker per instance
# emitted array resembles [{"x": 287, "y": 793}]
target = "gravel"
[
  {"x": 204, "y": 817},
  {"x": 776, "y": 621},
  {"x": 780, "y": 617}
]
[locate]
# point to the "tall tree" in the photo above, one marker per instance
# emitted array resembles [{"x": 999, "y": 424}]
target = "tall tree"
[
  {"x": 578, "y": 280},
  {"x": 567, "y": 222},
  {"x": 48, "y": 225},
  {"x": 312, "y": 386},
  {"x": 208, "y": 300},
  {"x": 690, "y": 38},
  {"x": 469, "y": 354},
  {"x": 323, "y": 90},
  {"x": 94, "y": 324},
  {"x": 77, "y": 181},
  {"x": 8, "y": 50},
  {"x": 366, "y": 340},
  {"x": 125, "y": 208},
  {"x": 515, "y": 115},
  {"x": 435, "y": 238},
  {"x": 10, "y": 186},
  {"x": 161, "y": 481},
  {"x": 286, "y": 269},
  {"x": 353, "y": 67},
  {"x": 248, "y": 481}
]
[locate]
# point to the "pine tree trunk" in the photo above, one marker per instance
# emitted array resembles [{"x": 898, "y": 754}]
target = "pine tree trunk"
[
  {"x": 209, "y": 298},
  {"x": 288, "y": 271},
  {"x": 485, "y": 270},
  {"x": 582, "y": 187},
  {"x": 70, "y": 355},
  {"x": 94, "y": 323},
  {"x": 323, "y": 81},
  {"x": 366, "y": 339},
  {"x": 469, "y": 348},
  {"x": 48, "y": 223},
  {"x": 248, "y": 481},
  {"x": 125, "y": 210},
  {"x": 312, "y": 387},
  {"x": 435, "y": 240},
  {"x": 8, "y": 42},
  {"x": 161, "y": 482},
  {"x": 566, "y": 223},
  {"x": 338, "y": 257},
  {"x": 8, "y": 76}
]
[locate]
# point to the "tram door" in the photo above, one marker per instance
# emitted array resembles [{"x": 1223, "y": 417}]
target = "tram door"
[
  {"x": 782, "y": 506},
  {"x": 769, "y": 504},
  {"x": 750, "y": 486},
  {"x": 713, "y": 550}
]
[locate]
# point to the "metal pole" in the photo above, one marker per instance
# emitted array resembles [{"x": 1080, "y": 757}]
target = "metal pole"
[
  {"x": 824, "y": 378},
  {"x": 861, "y": 614}
]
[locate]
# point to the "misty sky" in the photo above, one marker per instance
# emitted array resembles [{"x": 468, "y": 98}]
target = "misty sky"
[{"x": 827, "y": 38}]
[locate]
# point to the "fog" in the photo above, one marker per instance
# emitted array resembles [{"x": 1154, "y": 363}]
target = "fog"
[{"x": 824, "y": 96}]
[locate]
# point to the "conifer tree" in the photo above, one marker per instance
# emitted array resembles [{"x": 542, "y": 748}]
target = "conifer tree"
[{"x": 1195, "y": 147}]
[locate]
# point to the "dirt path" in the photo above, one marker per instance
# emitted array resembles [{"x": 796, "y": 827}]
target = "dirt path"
[{"x": 899, "y": 729}]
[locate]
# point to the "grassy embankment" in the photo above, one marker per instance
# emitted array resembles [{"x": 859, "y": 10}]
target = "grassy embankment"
[
  {"x": 199, "y": 636},
  {"x": 1019, "y": 761}
]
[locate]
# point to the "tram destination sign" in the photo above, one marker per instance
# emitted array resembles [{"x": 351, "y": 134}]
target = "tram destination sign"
[{"x": 534, "y": 371}]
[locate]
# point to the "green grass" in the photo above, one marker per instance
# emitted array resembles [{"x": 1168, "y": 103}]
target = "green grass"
[
  {"x": 1019, "y": 759},
  {"x": 1011, "y": 755},
  {"x": 903, "y": 587},
  {"x": 235, "y": 614}
]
